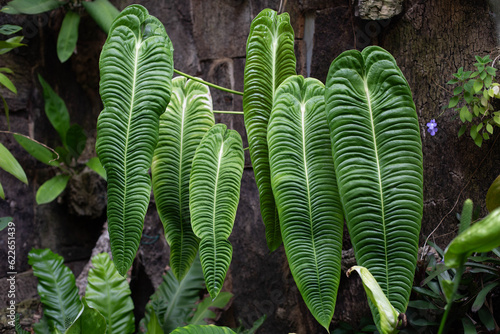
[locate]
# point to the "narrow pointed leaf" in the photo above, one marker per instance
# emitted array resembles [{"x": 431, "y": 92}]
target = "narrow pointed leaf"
[
  {"x": 51, "y": 188},
  {"x": 9, "y": 164},
  {"x": 493, "y": 195},
  {"x": 388, "y": 322},
  {"x": 89, "y": 320},
  {"x": 31, "y": 6},
  {"x": 102, "y": 11},
  {"x": 214, "y": 192},
  {"x": 136, "y": 69},
  {"x": 109, "y": 293},
  {"x": 37, "y": 151},
  {"x": 55, "y": 109},
  {"x": 7, "y": 83},
  {"x": 481, "y": 296},
  {"x": 96, "y": 166},
  {"x": 187, "y": 118},
  {"x": 378, "y": 163},
  {"x": 270, "y": 60},
  {"x": 2, "y": 193},
  {"x": 56, "y": 288},
  {"x": 203, "y": 329},
  {"x": 68, "y": 36},
  {"x": 304, "y": 185}
]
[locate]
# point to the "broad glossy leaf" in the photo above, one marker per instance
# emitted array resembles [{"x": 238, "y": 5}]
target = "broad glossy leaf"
[
  {"x": 174, "y": 301},
  {"x": 89, "y": 320},
  {"x": 388, "y": 321},
  {"x": 136, "y": 67},
  {"x": 378, "y": 163},
  {"x": 96, "y": 166},
  {"x": 68, "y": 36},
  {"x": 204, "y": 310},
  {"x": 270, "y": 59},
  {"x": 31, "y": 6},
  {"x": 493, "y": 195},
  {"x": 56, "y": 288},
  {"x": 187, "y": 118},
  {"x": 10, "y": 164},
  {"x": 483, "y": 236},
  {"x": 109, "y": 293},
  {"x": 55, "y": 109},
  {"x": 75, "y": 140},
  {"x": 304, "y": 185},
  {"x": 36, "y": 150},
  {"x": 102, "y": 11},
  {"x": 51, "y": 188},
  {"x": 214, "y": 192},
  {"x": 203, "y": 329}
]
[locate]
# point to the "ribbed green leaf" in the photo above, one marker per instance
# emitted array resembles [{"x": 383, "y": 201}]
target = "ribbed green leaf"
[
  {"x": 109, "y": 293},
  {"x": 203, "y": 329},
  {"x": 9, "y": 164},
  {"x": 68, "y": 36},
  {"x": 304, "y": 185},
  {"x": 270, "y": 60},
  {"x": 89, "y": 320},
  {"x": 136, "y": 69},
  {"x": 214, "y": 190},
  {"x": 102, "y": 11},
  {"x": 493, "y": 195},
  {"x": 51, "y": 188},
  {"x": 56, "y": 288},
  {"x": 174, "y": 301},
  {"x": 187, "y": 118},
  {"x": 378, "y": 163}
]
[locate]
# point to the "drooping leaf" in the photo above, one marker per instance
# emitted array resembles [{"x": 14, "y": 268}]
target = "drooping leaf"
[
  {"x": 305, "y": 189},
  {"x": 31, "y": 7},
  {"x": 68, "y": 36},
  {"x": 9, "y": 29},
  {"x": 55, "y": 109},
  {"x": 174, "y": 301},
  {"x": 102, "y": 11},
  {"x": 7, "y": 83},
  {"x": 37, "y": 151},
  {"x": 96, "y": 166},
  {"x": 89, "y": 320},
  {"x": 56, "y": 288},
  {"x": 204, "y": 309},
  {"x": 214, "y": 192},
  {"x": 75, "y": 140},
  {"x": 136, "y": 67},
  {"x": 378, "y": 163},
  {"x": 388, "y": 315},
  {"x": 202, "y": 329},
  {"x": 270, "y": 59},
  {"x": 483, "y": 236},
  {"x": 9, "y": 164},
  {"x": 51, "y": 188},
  {"x": 109, "y": 293},
  {"x": 187, "y": 118},
  {"x": 493, "y": 195}
]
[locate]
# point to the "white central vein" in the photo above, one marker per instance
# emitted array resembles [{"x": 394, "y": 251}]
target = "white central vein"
[
  {"x": 214, "y": 208},
  {"x": 379, "y": 175},
  {"x": 303, "y": 123},
  {"x": 183, "y": 115}
]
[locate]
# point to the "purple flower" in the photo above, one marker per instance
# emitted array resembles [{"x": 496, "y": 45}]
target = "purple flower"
[{"x": 432, "y": 127}]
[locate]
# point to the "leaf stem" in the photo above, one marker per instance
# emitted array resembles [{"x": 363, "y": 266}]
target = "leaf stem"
[
  {"x": 208, "y": 83},
  {"x": 227, "y": 112}
]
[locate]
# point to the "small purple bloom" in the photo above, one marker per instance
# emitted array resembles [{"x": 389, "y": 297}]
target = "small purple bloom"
[{"x": 432, "y": 127}]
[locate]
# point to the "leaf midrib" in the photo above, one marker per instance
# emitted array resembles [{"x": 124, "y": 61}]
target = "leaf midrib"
[
  {"x": 379, "y": 176},
  {"x": 184, "y": 104},
  {"x": 214, "y": 210}
]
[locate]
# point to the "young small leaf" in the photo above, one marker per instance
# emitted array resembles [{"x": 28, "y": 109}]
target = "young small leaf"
[
  {"x": 50, "y": 189},
  {"x": 454, "y": 101},
  {"x": 68, "y": 35},
  {"x": 462, "y": 130}
]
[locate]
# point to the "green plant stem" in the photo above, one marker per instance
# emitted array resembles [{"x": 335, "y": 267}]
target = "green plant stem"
[
  {"x": 208, "y": 83},
  {"x": 456, "y": 283},
  {"x": 227, "y": 112}
]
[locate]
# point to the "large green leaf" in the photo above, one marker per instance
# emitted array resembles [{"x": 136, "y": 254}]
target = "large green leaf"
[
  {"x": 56, "y": 288},
  {"x": 378, "y": 163},
  {"x": 493, "y": 195},
  {"x": 270, "y": 60},
  {"x": 55, "y": 109},
  {"x": 187, "y": 118},
  {"x": 174, "y": 301},
  {"x": 136, "y": 69},
  {"x": 102, "y": 11},
  {"x": 51, "y": 188},
  {"x": 31, "y": 6},
  {"x": 109, "y": 293},
  {"x": 202, "y": 329},
  {"x": 214, "y": 190},
  {"x": 10, "y": 164},
  {"x": 304, "y": 185},
  {"x": 89, "y": 320},
  {"x": 68, "y": 36}
]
